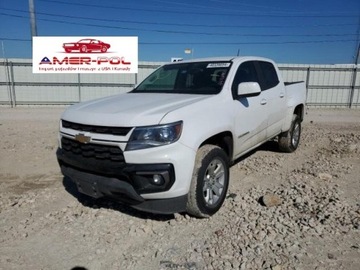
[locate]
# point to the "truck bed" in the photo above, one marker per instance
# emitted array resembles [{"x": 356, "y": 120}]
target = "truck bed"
[{"x": 296, "y": 93}]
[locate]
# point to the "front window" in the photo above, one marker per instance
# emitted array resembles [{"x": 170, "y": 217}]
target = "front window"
[{"x": 188, "y": 78}]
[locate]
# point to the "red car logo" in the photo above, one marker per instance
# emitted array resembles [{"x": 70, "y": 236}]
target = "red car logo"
[{"x": 86, "y": 46}]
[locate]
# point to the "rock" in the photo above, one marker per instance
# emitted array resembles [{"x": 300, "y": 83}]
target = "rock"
[
  {"x": 351, "y": 148},
  {"x": 331, "y": 256},
  {"x": 318, "y": 229},
  {"x": 231, "y": 196},
  {"x": 298, "y": 200},
  {"x": 260, "y": 236},
  {"x": 49, "y": 147},
  {"x": 312, "y": 223},
  {"x": 235, "y": 264},
  {"x": 325, "y": 176},
  {"x": 270, "y": 200},
  {"x": 172, "y": 222},
  {"x": 212, "y": 252},
  {"x": 178, "y": 217}
]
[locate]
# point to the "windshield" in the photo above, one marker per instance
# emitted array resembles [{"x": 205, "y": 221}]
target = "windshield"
[{"x": 187, "y": 78}]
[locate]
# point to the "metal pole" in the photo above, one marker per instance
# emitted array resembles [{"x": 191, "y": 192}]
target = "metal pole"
[
  {"x": 307, "y": 80},
  {"x": 352, "y": 91},
  {"x": 357, "y": 55},
  {"x": 12, "y": 83},
  {"x": 7, "y": 74},
  {"x": 32, "y": 18},
  {"x": 136, "y": 79},
  {"x": 353, "y": 86}
]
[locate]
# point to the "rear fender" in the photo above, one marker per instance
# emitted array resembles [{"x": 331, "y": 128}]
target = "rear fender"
[{"x": 299, "y": 110}]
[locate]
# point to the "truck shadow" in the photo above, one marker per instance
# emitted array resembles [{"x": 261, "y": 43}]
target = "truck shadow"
[
  {"x": 106, "y": 203},
  {"x": 270, "y": 146}
]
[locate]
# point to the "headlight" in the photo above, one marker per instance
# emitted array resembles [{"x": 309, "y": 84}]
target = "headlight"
[{"x": 153, "y": 136}]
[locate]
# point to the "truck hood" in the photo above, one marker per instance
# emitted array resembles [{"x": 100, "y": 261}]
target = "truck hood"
[{"x": 129, "y": 110}]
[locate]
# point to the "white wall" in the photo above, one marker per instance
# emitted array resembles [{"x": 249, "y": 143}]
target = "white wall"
[{"x": 328, "y": 85}]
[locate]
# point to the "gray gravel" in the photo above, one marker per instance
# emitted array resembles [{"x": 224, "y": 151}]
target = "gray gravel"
[{"x": 282, "y": 211}]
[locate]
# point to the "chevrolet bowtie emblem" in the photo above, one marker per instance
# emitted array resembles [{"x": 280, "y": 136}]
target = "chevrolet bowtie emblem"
[{"x": 82, "y": 138}]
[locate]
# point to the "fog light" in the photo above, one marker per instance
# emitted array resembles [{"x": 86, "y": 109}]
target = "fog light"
[{"x": 158, "y": 180}]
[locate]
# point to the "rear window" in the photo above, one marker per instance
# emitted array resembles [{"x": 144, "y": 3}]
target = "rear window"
[{"x": 269, "y": 75}]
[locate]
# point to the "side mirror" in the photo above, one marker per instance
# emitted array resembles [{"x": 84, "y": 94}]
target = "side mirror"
[{"x": 248, "y": 89}]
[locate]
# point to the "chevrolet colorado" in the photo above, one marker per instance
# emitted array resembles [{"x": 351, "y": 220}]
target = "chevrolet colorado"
[{"x": 166, "y": 146}]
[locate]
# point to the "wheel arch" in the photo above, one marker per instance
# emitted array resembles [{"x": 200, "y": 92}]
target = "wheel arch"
[
  {"x": 224, "y": 140},
  {"x": 299, "y": 111}
]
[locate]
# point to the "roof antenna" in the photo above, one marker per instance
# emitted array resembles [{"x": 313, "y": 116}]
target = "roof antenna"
[{"x": 238, "y": 52}]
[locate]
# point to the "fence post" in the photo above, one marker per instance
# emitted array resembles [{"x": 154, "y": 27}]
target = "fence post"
[
  {"x": 7, "y": 79},
  {"x": 307, "y": 80},
  {"x": 353, "y": 83},
  {"x": 12, "y": 83}
]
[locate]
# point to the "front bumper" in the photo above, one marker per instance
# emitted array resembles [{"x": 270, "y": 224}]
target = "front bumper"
[{"x": 125, "y": 183}]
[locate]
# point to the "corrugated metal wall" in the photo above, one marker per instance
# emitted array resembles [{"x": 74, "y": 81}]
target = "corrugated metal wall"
[{"x": 327, "y": 85}]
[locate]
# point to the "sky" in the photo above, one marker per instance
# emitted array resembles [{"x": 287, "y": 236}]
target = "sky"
[{"x": 288, "y": 31}]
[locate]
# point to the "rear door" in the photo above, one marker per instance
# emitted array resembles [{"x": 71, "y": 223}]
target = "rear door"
[
  {"x": 273, "y": 94},
  {"x": 250, "y": 111}
]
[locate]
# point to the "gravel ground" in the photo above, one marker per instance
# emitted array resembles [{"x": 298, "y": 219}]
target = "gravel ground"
[{"x": 283, "y": 211}]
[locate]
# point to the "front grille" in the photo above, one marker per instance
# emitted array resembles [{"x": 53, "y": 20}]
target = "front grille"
[
  {"x": 120, "y": 131},
  {"x": 95, "y": 152}
]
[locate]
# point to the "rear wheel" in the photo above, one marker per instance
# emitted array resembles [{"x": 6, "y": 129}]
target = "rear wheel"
[
  {"x": 289, "y": 140},
  {"x": 209, "y": 182}
]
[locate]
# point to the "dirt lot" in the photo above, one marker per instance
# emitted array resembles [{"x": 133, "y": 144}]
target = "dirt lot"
[{"x": 46, "y": 224}]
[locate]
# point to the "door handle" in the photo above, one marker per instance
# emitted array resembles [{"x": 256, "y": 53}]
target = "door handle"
[
  {"x": 282, "y": 95},
  {"x": 263, "y": 101}
]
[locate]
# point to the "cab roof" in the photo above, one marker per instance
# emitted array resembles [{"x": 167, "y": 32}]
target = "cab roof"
[{"x": 225, "y": 59}]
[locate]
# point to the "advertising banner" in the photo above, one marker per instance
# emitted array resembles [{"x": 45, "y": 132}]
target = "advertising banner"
[{"x": 85, "y": 54}]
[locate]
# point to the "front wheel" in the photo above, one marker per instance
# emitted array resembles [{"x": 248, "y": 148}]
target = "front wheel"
[
  {"x": 209, "y": 182},
  {"x": 289, "y": 140}
]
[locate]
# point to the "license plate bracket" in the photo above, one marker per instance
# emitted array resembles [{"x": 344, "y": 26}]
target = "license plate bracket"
[{"x": 89, "y": 188}]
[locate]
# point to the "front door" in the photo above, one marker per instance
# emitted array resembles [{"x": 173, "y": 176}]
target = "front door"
[{"x": 250, "y": 112}]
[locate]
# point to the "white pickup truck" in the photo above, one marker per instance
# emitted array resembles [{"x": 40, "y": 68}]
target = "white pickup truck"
[{"x": 167, "y": 145}]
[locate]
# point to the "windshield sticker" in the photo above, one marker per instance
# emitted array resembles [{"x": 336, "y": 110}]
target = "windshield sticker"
[{"x": 218, "y": 65}]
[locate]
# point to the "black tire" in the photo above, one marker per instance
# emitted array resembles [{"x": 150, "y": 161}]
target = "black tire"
[
  {"x": 209, "y": 182},
  {"x": 289, "y": 140},
  {"x": 83, "y": 49}
]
